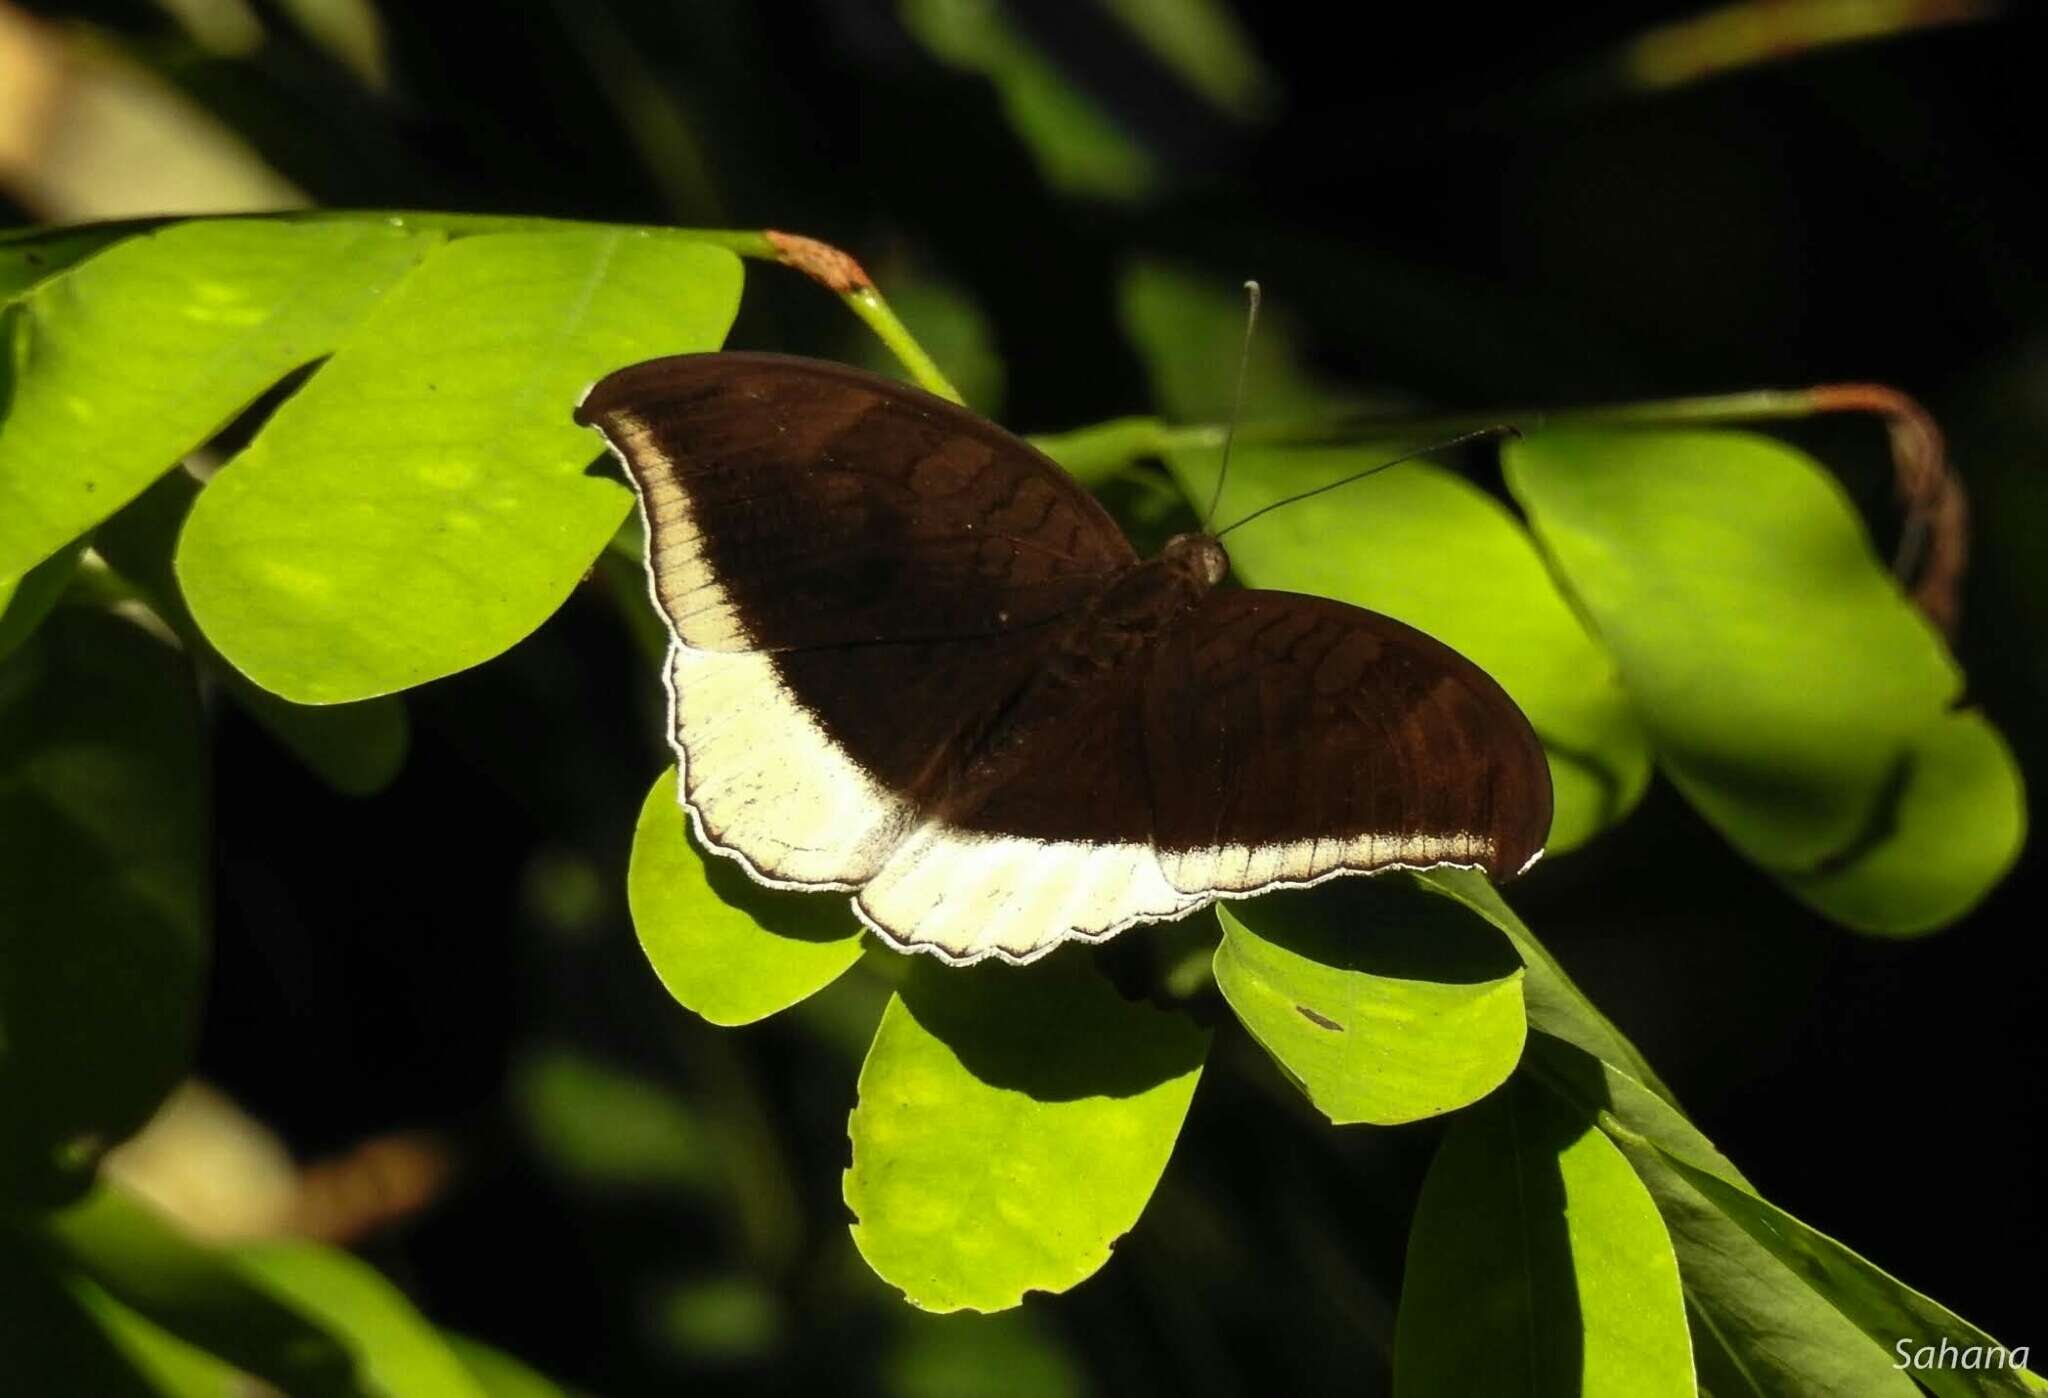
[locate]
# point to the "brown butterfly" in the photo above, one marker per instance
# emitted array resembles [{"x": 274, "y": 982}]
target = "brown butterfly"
[{"x": 913, "y": 660}]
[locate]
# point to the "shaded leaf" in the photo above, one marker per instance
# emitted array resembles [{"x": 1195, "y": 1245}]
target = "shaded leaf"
[
  {"x": 1762, "y": 1329},
  {"x": 1790, "y": 689},
  {"x": 400, "y": 1353},
  {"x": 171, "y": 1367},
  {"x": 355, "y": 748},
  {"x": 498, "y": 1374},
  {"x": 198, "y": 1295},
  {"x": 609, "y": 1128},
  {"x": 726, "y": 947},
  {"x": 25, "y": 602},
  {"x": 33, "y": 255},
  {"x": 136, "y": 356},
  {"x": 1384, "y": 1005},
  {"x": 49, "y": 1341},
  {"x": 421, "y": 504},
  {"x": 1556, "y": 1006},
  {"x": 1011, "y": 1125},
  {"x": 1537, "y": 1265},
  {"x": 1078, "y": 147},
  {"x": 963, "y": 1356},
  {"x": 1609, "y": 1095},
  {"x": 103, "y": 878},
  {"x": 1884, "y": 1308}
]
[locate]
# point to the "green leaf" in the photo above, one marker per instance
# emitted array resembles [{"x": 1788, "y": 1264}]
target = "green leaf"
[
  {"x": 973, "y": 1356},
  {"x": 25, "y": 602},
  {"x": 1079, "y": 148},
  {"x": 1882, "y": 1307},
  {"x": 1382, "y": 1004},
  {"x": 1187, "y": 327},
  {"x": 198, "y": 1295},
  {"x": 1424, "y": 546},
  {"x": 726, "y": 947},
  {"x": 1610, "y": 1096},
  {"x": 399, "y": 1351},
  {"x": 1762, "y": 1330},
  {"x": 498, "y": 1374},
  {"x": 30, "y": 256},
  {"x": 1790, "y": 689},
  {"x": 608, "y": 1128},
  {"x": 49, "y": 1341},
  {"x": 355, "y": 748},
  {"x": 136, "y": 356},
  {"x": 1011, "y": 1125},
  {"x": 1953, "y": 829},
  {"x": 1556, "y": 1006},
  {"x": 421, "y": 504},
  {"x": 171, "y": 1367},
  {"x": 1537, "y": 1265},
  {"x": 103, "y": 879}
]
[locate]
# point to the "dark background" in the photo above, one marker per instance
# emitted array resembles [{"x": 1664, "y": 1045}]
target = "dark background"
[{"x": 1476, "y": 213}]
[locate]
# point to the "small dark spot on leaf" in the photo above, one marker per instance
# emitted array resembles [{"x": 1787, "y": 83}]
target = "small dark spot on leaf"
[
  {"x": 34, "y": 259},
  {"x": 1320, "y": 1021},
  {"x": 92, "y": 485}
]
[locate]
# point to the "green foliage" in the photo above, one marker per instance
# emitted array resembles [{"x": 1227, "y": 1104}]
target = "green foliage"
[
  {"x": 1537, "y": 1264},
  {"x": 1012, "y": 1124},
  {"x": 726, "y": 947},
  {"x": 421, "y": 505},
  {"x": 102, "y": 876},
  {"x": 134, "y": 357},
  {"x": 1380, "y": 1003},
  {"x": 1791, "y": 691}
]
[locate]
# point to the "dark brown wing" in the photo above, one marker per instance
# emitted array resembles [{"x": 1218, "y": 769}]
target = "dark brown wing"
[
  {"x": 1291, "y": 738},
  {"x": 794, "y": 503}
]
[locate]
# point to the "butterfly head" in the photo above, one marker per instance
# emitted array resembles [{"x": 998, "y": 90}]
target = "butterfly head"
[{"x": 1199, "y": 556}]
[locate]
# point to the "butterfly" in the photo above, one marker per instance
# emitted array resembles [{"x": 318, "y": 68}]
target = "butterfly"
[{"x": 913, "y": 660}]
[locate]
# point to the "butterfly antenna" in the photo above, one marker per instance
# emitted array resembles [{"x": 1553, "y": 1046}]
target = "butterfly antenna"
[
  {"x": 1244, "y": 359},
  {"x": 1500, "y": 430}
]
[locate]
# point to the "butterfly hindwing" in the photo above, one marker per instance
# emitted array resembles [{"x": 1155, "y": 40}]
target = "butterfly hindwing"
[{"x": 1293, "y": 737}]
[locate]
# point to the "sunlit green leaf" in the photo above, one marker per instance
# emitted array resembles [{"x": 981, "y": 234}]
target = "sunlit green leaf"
[
  {"x": 400, "y": 1353},
  {"x": 1383, "y": 1004},
  {"x": 1884, "y": 1308},
  {"x": 198, "y": 1295},
  {"x": 1555, "y": 1005},
  {"x": 1537, "y": 1265},
  {"x": 355, "y": 748},
  {"x": 139, "y": 354},
  {"x": 1950, "y": 833},
  {"x": 1762, "y": 1329},
  {"x": 1790, "y": 689},
  {"x": 103, "y": 879},
  {"x": 1608, "y": 1094},
  {"x": 1012, "y": 1123},
  {"x": 422, "y": 503},
  {"x": 25, "y": 602},
  {"x": 726, "y": 947}
]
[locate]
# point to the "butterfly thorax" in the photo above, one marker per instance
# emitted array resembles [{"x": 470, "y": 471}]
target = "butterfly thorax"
[{"x": 1143, "y": 601}]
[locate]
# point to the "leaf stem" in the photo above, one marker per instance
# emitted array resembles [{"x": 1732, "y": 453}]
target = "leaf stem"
[{"x": 1933, "y": 547}]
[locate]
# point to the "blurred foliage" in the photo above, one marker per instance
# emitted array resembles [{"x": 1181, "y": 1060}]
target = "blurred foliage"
[{"x": 1058, "y": 206}]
